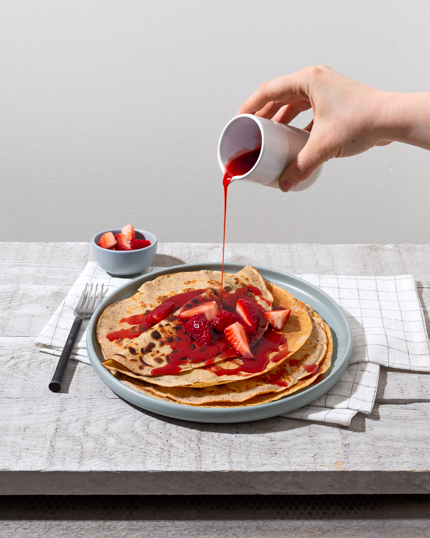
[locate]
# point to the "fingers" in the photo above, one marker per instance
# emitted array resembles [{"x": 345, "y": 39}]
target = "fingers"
[
  {"x": 279, "y": 89},
  {"x": 288, "y": 113},
  {"x": 313, "y": 155},
  {"x": 269, "y": 110}
]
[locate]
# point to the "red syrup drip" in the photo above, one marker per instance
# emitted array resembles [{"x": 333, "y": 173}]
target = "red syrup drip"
[
  {"x": 238, "y": 166},
  {"x": 169, "y": 369},
  {"x": 269, "y": 343},
  {"x": 276, "y": 379},
  {"x": 311, "y": 368},
  {"x": 258, "y": 292},
  {"x": 140, "y": 320},
  {"x": 186, "y": 350}
]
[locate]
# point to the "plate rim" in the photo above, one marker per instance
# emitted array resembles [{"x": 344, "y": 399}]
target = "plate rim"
[{"x": 214, "y": 415}]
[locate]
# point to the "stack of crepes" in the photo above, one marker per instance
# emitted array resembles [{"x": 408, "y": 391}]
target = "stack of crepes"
[{"x": 164, "y": 362}]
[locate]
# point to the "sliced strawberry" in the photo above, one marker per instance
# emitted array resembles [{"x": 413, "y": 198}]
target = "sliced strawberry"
[
  {"x": 248, "y": 312},
  {"x": 277, "y": 318},
  {"x": 122, "y": 242},
  {"x": 237, "y": 337},
  {"x": 137, "y": 244},
  {"x": 250, "y": 330},
  {"x": 128, "y": 231},
  {"x": 223, "y": 320},
  {"x": 210, "y": 310},
  {"x": 198, "y": 328},
  {"x": 107, "y": 240},
  {"x": 160, "y": 312}
]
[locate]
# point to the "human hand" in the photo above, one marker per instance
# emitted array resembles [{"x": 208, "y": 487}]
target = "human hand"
[{"x": 349, "y": 117}]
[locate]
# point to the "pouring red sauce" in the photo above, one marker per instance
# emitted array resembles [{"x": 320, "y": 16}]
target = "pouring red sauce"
[{"x": 238, "y": 166}]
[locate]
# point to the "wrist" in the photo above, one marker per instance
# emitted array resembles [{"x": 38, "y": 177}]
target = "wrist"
[
  {"x": 387, "y": 116},
  {"x": 405, "y": 117}
]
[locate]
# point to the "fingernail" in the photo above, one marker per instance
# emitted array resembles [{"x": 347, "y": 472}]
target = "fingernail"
[{"x": 286, "y": 186}]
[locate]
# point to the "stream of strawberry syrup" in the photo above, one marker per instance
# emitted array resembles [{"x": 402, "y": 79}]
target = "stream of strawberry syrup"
[{"x": 238, "y": 166}]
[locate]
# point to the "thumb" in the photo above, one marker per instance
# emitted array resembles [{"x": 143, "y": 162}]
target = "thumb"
[{"x": 304, "y": 165}]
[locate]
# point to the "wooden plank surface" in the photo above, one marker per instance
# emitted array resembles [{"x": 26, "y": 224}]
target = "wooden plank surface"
[
  {"x": 411, "y": 528},
  {"x": 61, "y": 263},
  {"x": 100, "y": 442}
]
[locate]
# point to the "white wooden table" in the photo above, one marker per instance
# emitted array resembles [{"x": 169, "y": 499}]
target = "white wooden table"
[{"x": 85, "y": 440}]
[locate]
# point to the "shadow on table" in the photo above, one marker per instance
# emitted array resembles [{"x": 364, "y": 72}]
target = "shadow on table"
[
  {"x": 68, "y": 376},
  {"x": 162, "y": 260},
  {"x": 262, "y": 427}
]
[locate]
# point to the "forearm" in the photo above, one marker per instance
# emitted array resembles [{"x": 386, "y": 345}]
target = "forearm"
[{"x": 407, "y": 118}]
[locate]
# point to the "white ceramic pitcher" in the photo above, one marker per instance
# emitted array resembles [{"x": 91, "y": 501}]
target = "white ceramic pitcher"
[{"x": 279, "y": 145}]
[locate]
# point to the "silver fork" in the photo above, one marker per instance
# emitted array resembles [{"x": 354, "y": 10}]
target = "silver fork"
[{"x": 87, "y": 303}]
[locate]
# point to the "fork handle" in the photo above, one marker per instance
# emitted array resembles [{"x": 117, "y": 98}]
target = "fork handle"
[{"x": 55, "y": 384}]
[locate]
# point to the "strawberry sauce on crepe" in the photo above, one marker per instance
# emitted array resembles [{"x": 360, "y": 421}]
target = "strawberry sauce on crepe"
[
  {"x": 269, "y": 351},
  {"x": 166, "y": 347}
]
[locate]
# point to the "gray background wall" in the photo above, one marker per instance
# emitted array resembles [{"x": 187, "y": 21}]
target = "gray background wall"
[{"x": 110, "y": 112}]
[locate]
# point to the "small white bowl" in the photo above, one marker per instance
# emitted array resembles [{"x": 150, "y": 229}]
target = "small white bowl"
[{"x": 125, "y": 262}]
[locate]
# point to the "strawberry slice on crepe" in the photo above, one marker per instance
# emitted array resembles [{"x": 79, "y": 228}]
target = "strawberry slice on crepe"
[
  {"x": 278, "y": 318},
  {"x": 160, "y": 312},
  {"x": 249, "y": 312},
  {"x": 209, "y": 309},
  {"x": 237, "y": 337}
]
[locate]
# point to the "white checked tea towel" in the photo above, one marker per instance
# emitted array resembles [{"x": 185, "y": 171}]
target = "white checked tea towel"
[{"x": 384, "y": 312}]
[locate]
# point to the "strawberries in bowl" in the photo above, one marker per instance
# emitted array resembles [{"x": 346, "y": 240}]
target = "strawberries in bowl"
[
  {"x": 124, "y": 251},
  {"x": 125, "y": 240}
]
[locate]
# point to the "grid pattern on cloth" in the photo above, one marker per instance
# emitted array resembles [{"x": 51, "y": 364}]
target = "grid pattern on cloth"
[
  {"x": 386, "y": 318},
  {"x": 384, "y": 312},
  {"x": 354, "y": 392}
]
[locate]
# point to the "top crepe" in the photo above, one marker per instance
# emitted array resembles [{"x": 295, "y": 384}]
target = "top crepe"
[
  {"x": 269, "y": 352},
  {"x": 125, "y": 337}
]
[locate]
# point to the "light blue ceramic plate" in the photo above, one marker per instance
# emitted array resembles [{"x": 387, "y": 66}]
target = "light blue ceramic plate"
[{"x": 320, "y": 301}]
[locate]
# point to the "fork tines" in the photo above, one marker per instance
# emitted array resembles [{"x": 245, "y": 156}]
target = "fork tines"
[{"x": 90, "y": 299}]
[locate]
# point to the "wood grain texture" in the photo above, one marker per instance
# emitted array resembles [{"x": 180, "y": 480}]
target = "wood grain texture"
[
  {"x": 110, "y": 435},
  {"x": 217, "y": 529},
  {"x": 25, "y": 308},
  {"x": 86, "y": 439},
  {"x": 61, "y": 263}
]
